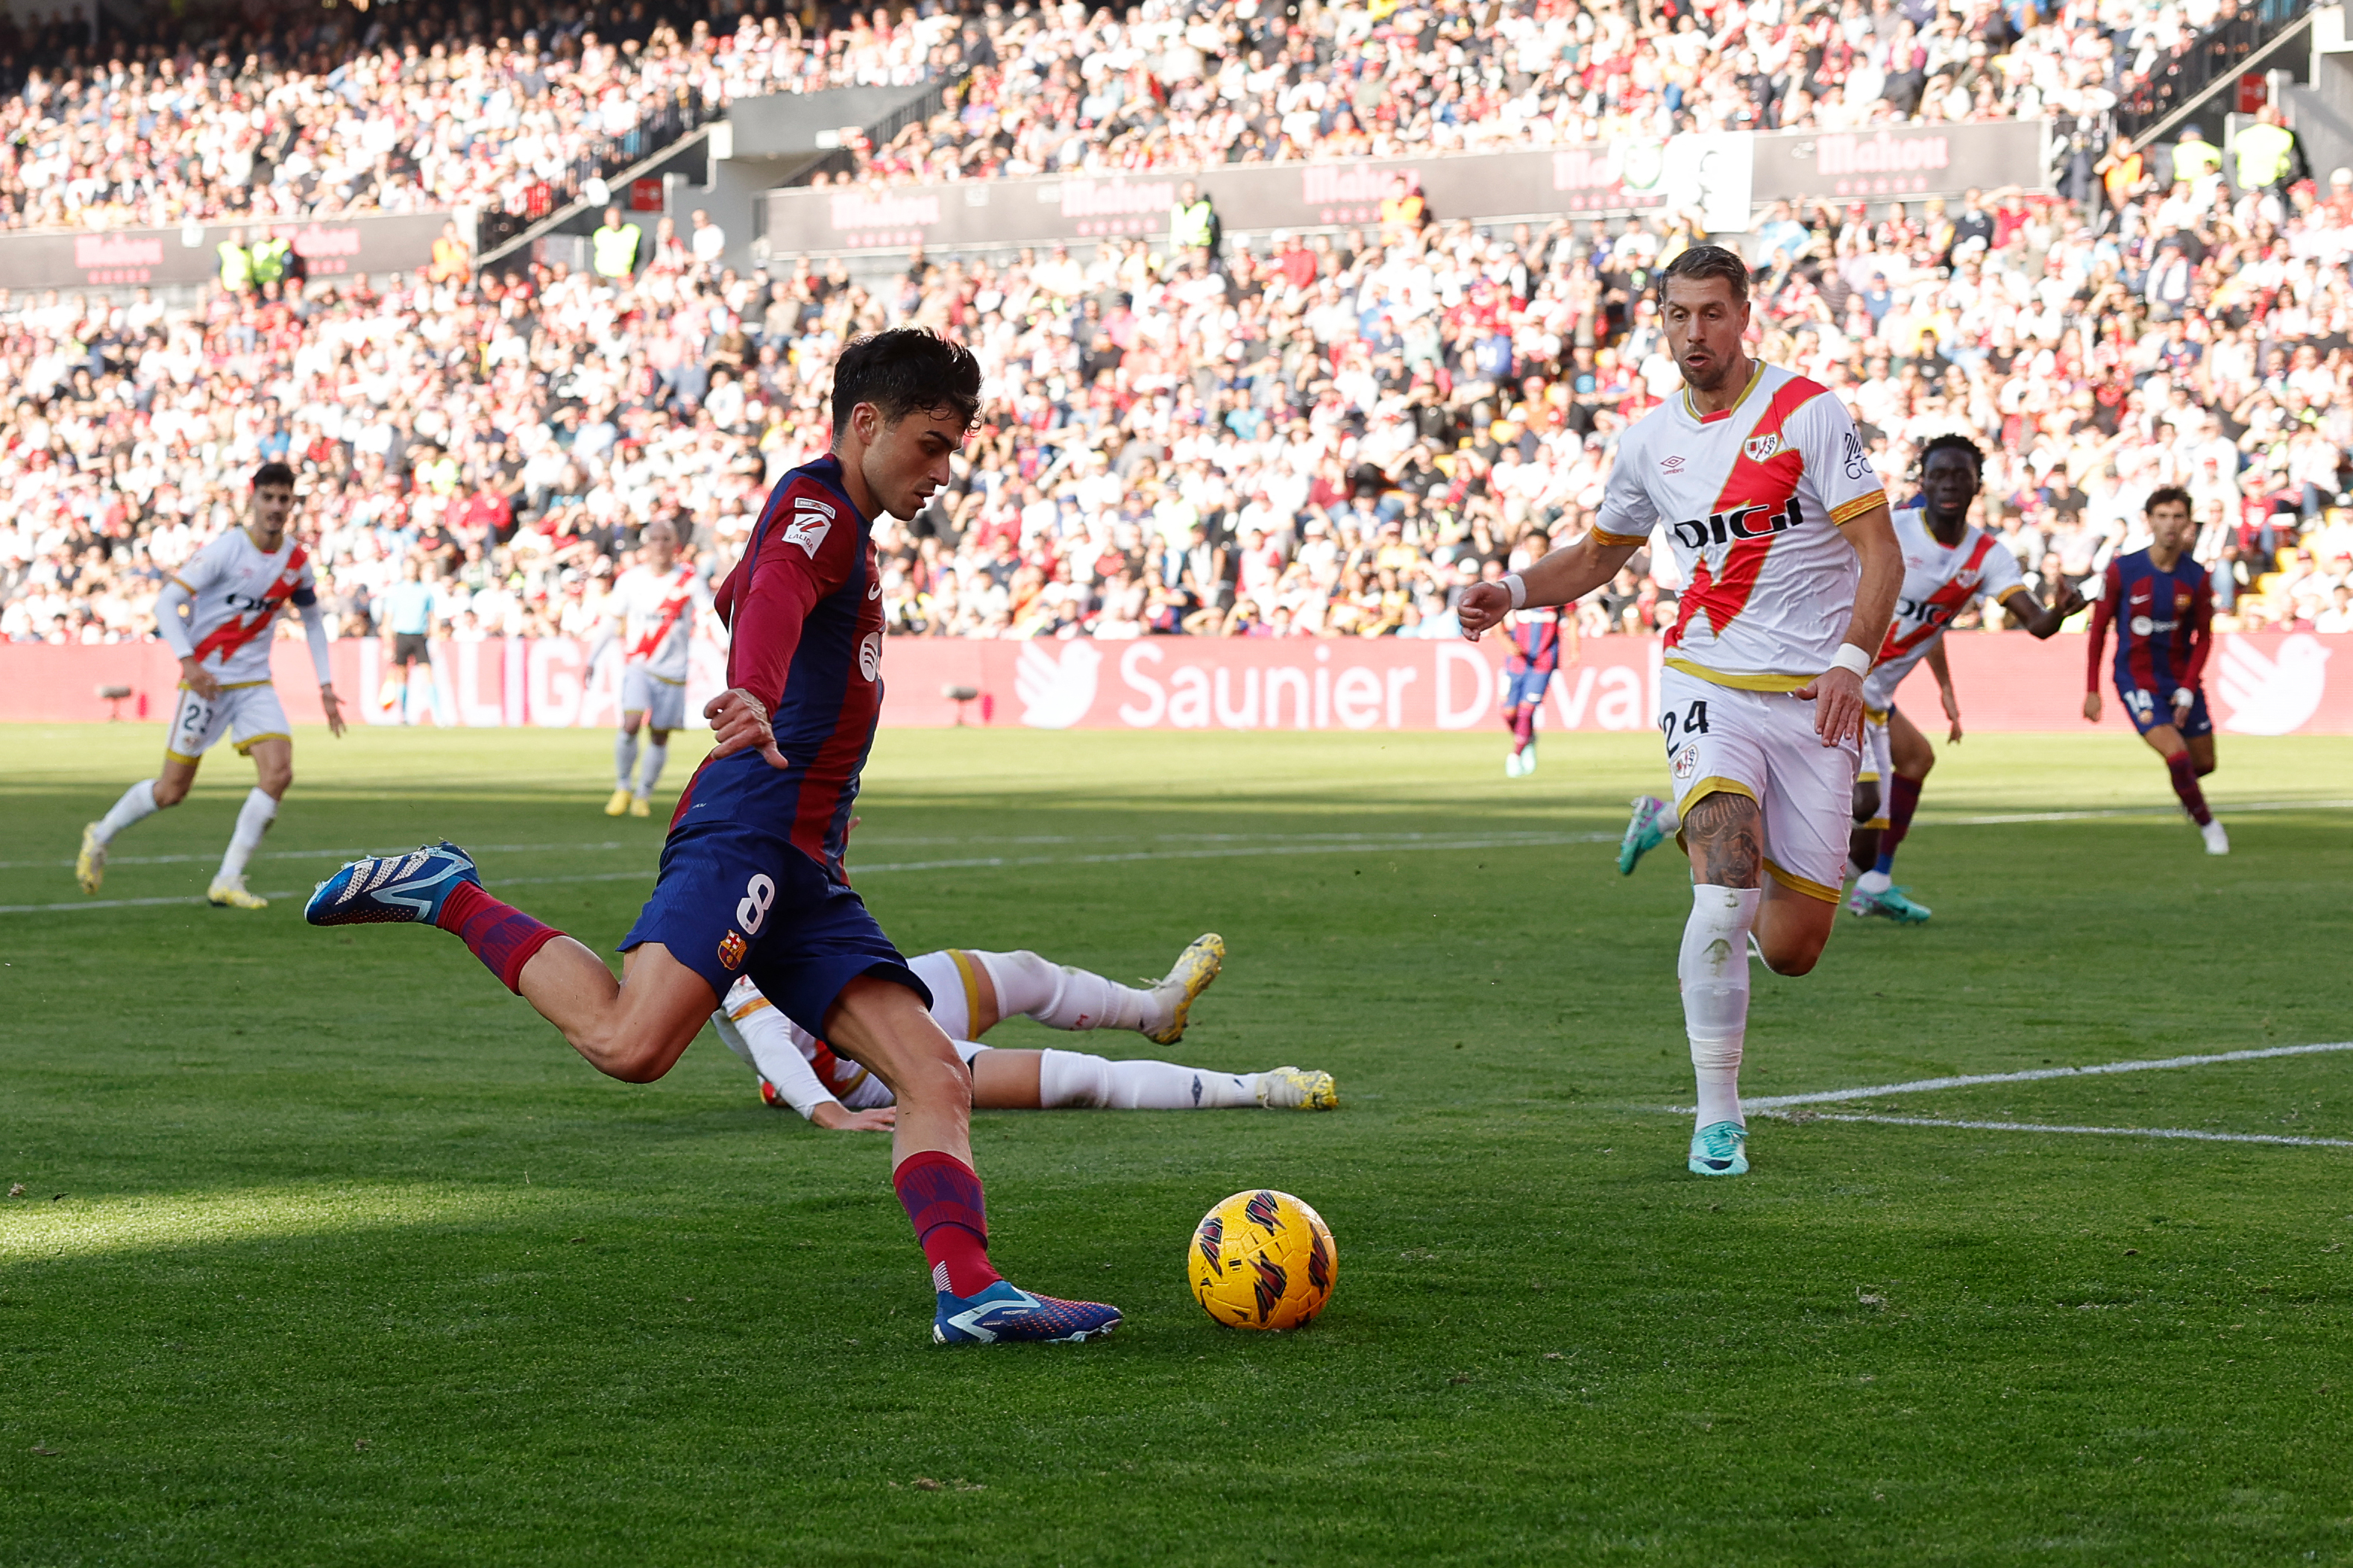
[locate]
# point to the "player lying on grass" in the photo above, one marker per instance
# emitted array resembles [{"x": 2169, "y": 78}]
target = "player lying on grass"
[
  {"x": 1781, "y": 528},
  {"x": 2163, "y": 608},
  {"x": 751, "y": 881},
  {"x": 972, "y": 992},
  {"x": 233, "y": 590},
  {"x": 1949, "y": 563}
]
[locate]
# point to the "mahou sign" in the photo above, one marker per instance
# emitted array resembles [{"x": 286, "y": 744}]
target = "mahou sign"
[
  {"x": 1630, "y": 176},
  {"x": 114, "y": 259},
  {"x": 1888, "y": 163}
]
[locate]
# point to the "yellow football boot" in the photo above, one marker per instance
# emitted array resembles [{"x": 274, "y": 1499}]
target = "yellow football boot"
[
  {"x": 229, "y": 893},
  {"x": 89, "y": 866},
  {"x": 640, "y": 806},
  {"x": 620, "y": 804},
  {"x": 1195, "y": 967},
  {"x": 1289, "y": 1089}
]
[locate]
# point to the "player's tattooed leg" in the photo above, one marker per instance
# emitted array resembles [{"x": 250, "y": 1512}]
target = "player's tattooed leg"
[{"x": 1725, "y": 838}]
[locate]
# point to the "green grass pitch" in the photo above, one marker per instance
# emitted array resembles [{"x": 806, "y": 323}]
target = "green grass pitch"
[{"x": 327, "y": 1251}]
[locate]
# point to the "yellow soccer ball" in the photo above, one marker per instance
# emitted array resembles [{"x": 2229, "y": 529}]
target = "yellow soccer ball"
[{"x": 1262, "y": 1259}]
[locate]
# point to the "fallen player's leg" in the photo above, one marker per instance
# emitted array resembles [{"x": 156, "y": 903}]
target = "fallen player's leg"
[{"x": 974, "y": 990}]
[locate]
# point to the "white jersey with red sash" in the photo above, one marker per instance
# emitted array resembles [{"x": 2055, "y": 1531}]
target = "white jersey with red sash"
[
  {"x": 235, "y": 592},
  {"x": 655, "y": 610},
  {"x": 1939, "y": 582}
]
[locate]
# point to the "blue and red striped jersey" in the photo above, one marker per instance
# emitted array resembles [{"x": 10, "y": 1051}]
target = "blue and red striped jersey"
[
  {"x": 2164, "y": 621},
  {"x": 804, "y": 609},
  {"x": 1536, "y": 639}
]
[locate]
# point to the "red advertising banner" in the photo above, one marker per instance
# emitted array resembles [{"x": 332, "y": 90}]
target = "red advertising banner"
[{"x": 2264, "y": 684}]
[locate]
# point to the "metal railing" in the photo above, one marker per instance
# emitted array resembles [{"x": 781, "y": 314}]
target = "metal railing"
[
  {"x": 2221, "y": 53},
  {"x": 661, "y": 123}
]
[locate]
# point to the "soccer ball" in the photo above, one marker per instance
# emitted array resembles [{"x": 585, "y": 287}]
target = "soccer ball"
[{"x": 1262, "y": 1259}]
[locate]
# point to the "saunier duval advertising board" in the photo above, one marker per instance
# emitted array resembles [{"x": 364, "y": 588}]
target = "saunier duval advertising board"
[
  {"x": 1709, "y": 172},
  {"x": 122, "y": 258},
  {"x": 1899, "y": 162}
]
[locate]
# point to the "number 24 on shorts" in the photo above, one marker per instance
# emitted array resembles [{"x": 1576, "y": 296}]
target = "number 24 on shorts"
[{"x": 1695, "y": 722}]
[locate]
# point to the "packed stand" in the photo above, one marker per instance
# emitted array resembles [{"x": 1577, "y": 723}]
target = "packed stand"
[
  {"x": 420, "y": 107},
  {"x": 1322, "y": 437}
]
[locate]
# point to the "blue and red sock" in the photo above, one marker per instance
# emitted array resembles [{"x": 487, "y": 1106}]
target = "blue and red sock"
[
  {"x": 1902, "y": 800},
  {"x": 501, "y": 936},
  {"x": 944, "y": 1204}
]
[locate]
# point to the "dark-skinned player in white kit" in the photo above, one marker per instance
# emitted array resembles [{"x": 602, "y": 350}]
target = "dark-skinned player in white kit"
[{"x": 1781, "y": 529}]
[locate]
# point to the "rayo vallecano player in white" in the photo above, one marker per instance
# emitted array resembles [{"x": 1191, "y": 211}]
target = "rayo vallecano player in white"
[
  {"x": 651, "y": 615},
  {"x": 972, "y": 992},
  {"x": 1780, "y": 527},
  {"x": 232, "y": 590}
]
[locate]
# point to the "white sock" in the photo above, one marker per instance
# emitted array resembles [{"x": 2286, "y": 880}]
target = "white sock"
[
  {"x": 1713, "y": 967},
  {"x": 1873, "y": 882},
  {"x": 1062, "y": 997},
  {"x": 1671, "y": 821},
  {"x": 656, "y": 754},
  {"x": 625, "y": 757},
  {"x": 1072, "y": 1080},
  {"x": 1854, "y": 871},
  {"x": 253, "y": 820},
  {"x": 138, "y": 801}
]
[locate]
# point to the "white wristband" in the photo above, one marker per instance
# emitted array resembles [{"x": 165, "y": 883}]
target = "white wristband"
[
  {"x": 1519, "y": 588},
  {"x": 1849, "y": 656}
]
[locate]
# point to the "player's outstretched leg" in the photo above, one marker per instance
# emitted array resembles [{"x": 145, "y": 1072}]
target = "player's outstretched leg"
[
  {"x": 1875, "y": 892},
  {"x": 1652, "y": 825},
  {"x": 1064, "y": 996},
  {"x": 882, "y": 1025},
  {"x": 1079, "y": 1080}
]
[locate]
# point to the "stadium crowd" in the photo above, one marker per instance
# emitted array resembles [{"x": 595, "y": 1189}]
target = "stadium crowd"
[
  {"x": 1324, "y": 437},
  {"x": 441, "y": 104}
]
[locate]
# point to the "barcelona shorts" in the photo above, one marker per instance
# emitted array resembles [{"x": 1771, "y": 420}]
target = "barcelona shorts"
[
  {"x": 736, "y": 901},
  {"x": 2147, "y": 709},
  {"x": 1525, "y": 688}
]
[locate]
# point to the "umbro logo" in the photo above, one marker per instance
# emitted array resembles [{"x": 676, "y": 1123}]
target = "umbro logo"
[{"x": 1674, "y": 463}]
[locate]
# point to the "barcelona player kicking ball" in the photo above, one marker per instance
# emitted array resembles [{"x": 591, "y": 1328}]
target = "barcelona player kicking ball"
[
  {"x": 751, "y": 881},
  {"x": 2163, "y": 609}
]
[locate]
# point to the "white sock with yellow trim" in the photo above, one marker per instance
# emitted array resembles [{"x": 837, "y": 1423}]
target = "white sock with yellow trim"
[
  {"x": 625, "y": 757},
  {"x": 1062, "y": 997},
  {"x": 253, "y": 820},
  {"x": 1714, "y": 968},
  {"x": 138, "y": 801},
  {"x": 656, "y": 754}
]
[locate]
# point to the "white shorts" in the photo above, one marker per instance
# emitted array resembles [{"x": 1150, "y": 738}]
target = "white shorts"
[
  {"x": 663, "y": 702},
  {"x": 1762, "y": 744},
  {"x": 867, "y": 1092},
  {"x": 1876, "y": 767},
  {"x": 247, "y": 713},
  {"x": 952, "y": 974}
]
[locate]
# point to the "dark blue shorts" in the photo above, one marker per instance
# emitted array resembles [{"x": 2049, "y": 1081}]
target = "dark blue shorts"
[
  {"x": 1525, "y": 687},
  {"x": 735, "y": 900},
  {"x": 2147, "y": 709}
]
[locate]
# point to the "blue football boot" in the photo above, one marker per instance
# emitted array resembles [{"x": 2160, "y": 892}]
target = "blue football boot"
[
  {"x": 1005, "y": 1313},
  {"x": 1715, "y": 1150},
  {"x": 387, "y": 888}
]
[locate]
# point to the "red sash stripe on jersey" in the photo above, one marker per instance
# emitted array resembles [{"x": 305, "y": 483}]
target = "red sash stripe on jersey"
[
  {"x": 1769, "y": 484},
  {"x": 672, "y": 608},
  {"x": 1953, "y": 593},
  {"x": 232, "y": 633}
]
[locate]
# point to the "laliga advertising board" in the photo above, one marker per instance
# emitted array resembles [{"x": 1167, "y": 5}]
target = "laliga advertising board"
[{"x": 2269, "y": 683}]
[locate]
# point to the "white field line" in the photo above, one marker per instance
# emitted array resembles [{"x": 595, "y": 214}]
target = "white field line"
[
  {"x": 2185, "y": 1133},
  {"x": 1336, "y": 846},
  {"x": 1924, "y": 1085},
  {"x": 1939, "y": 820},
  {"x": 1929, "y": 819}
]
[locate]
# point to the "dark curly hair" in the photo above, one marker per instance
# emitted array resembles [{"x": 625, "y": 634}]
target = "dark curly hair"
[
  {"x": 1953, "y": 442},
  {"x": 904, "y": 370}
]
